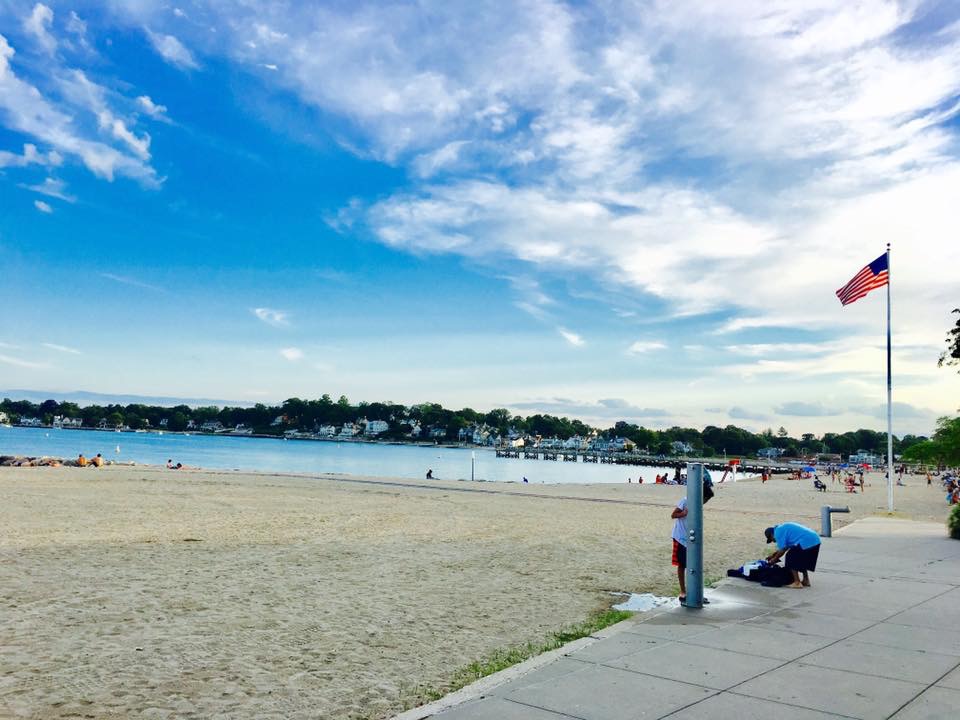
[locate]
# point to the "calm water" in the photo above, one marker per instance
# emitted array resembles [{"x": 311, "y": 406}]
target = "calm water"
[{"x": 263, "y": 454}]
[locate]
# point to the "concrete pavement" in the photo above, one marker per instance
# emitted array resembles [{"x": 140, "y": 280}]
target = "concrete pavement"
[{"x": 877, "y": 636}]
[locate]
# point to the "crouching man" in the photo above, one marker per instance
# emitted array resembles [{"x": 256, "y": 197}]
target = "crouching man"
[{"x": 801, "y": 546}]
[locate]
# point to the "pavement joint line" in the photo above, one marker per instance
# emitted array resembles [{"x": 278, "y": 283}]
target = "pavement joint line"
[
  {"x": 799, "y": 707},
  {"x": 540, "y": 707},
  {"x": 924, "y": 690},
  {"x": 732, "y": 689}
]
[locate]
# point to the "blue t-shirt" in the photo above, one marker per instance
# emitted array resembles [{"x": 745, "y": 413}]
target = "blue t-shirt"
[{"x": 790, "y": 535}]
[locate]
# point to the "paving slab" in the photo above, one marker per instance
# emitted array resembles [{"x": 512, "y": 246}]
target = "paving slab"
[
  {"x": 762, "y": 641},
  {"x": 547, "y": 673},
  {"x": 811, "y": 623},
  {"x": 730, "y": 705},
  {"x": 845, "y": 608},
  {"x": 829, "y": 690},
  {"x": 951, "y": 680},
  {"x": 501, "y": 709},
  {"x": 937, "y": 703},
  {"x": 883, "y": 661},
  {"x": 706, "y": 666},
  {"x": 605, "y": 693},
  {"x": 623, "y": 643},
  {"x": 946, "y": 642}
]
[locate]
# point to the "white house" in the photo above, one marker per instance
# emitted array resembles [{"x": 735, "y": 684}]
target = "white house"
[
  {"x": 30, "y": 422},
  {"x": 4, "y": 420},
  {"x": 415, "y": 429},
  {"x": 212, "y": 426},
  {"x": 575, "y": 443},
  {"x": 278, "y": 420},
  {"x": 375, "y": 427},
  {"x": 349, "y": 430},
  {"x": 681, "y": 448},
  {"x": 865, "y": 456},
  {"x": 67, "y": 422},
  {"x": 771, "y": 453},
  {"x": 327, "y": 430}
]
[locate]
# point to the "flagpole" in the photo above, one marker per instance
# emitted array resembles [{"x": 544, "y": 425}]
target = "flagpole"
[{"x": 889, "y": 398}]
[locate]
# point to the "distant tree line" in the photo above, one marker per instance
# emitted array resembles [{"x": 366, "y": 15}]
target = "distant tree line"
[{"x": 307, "y": 415}]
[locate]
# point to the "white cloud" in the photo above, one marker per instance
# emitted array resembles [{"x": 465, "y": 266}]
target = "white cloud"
[
  {"x": 42, "y": 206},
  {"x": 133, "y": 282},
  {"x": 30, "y": 156},
  {"x": 172, "y": 50},
  {"x": 645, "y": 346},
  {"x": 292, "y": 354},
  {"x": 24, "y": 109},
  {"x": 277, "y": 318},
  {"x": 37, "y": 24},
  {"x": 154, "y": 110},
  {"x": 17, "y": 362},
  {"x": 571, "y": 337},
  {"x": 61, "y": 348},
  {"x": 52, "y": 187}
]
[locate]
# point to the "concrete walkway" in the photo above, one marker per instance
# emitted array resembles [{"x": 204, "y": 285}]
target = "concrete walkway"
[{"x": 877, "y": 636}]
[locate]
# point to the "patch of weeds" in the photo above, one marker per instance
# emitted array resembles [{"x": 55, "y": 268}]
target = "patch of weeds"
[
  {"x": 953, "y": 522},
  {"x": 503, "y": 658}
]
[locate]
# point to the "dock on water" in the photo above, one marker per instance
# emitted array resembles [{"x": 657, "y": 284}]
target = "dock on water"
[{"x": 626, "y": 458}]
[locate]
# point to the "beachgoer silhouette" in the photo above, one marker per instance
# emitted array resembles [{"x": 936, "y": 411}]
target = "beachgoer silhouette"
[{"x": 430, "y": 474}]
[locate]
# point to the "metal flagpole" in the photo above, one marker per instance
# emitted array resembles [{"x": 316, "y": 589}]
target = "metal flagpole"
[{"x": 889, "y": 398}]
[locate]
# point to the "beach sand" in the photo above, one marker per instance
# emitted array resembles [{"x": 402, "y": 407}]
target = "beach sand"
[{"x": 138, "y": 592}]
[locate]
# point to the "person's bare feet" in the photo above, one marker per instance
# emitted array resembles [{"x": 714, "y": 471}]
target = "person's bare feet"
[
  {"x": 795, "y": 585},
  {"x": 806, "y": 583}
]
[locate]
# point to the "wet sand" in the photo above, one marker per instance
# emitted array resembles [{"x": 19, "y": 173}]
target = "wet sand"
[{"x": 136, "y": 592}]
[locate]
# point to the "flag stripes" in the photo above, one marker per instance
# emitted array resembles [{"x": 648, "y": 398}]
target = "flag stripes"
[{"x": 873, "y": 276}]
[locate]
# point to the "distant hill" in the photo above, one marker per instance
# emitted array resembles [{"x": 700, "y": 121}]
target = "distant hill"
[{"x": 82, "y": 397}]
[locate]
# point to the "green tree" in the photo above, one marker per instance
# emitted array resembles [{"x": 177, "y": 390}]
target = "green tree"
[{"x": 951, "y": 356}]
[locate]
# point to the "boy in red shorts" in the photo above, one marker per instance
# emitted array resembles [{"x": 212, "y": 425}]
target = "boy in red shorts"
[{"x": 679, "y": 516}]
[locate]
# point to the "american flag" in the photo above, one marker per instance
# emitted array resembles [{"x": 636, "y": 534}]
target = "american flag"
[{"x": 874, "y": 275}]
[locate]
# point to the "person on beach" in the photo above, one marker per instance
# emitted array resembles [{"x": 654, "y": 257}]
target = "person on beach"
[
  {"x": 81, "y": 461},
  {"x": 679, "y": 515},
  {"x": 430, "y": 474},
  {"x": 97, "y": 461},
  {"x": 801, "y": 546}
]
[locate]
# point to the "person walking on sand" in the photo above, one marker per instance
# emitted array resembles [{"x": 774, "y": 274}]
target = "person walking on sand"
[
  {"x": 801, "y": 546},
  {"x": 679, "y": 516}
]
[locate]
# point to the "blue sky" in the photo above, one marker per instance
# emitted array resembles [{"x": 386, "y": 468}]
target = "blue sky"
[{"x": 615, "y": 210}]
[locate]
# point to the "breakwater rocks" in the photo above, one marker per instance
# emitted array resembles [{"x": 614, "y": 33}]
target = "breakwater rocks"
[{"x": 28, "y": 461}]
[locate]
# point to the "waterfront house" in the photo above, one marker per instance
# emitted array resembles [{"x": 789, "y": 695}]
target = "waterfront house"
[
  {"x": 678, "y": 447},
  {"x": 375, "y": 427},
  {"x": 437, "y": 433},
  {"x": 327, "y": 431},
  {"x": 67, "y": 422},
  {"x": 348, "y": 431},
  {"x": 770, "y": 453},
  {"x": 4, "y": 420},
  {"x": 212, "y": 426},
  {"x": 865, "y": 456},
  {"x": 31, "y": 422}
]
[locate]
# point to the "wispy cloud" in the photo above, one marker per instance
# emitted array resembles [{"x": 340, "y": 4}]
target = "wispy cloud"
[
  {"x": 277, "y": 318},
  {"x": 42, "y": 206},
  {"x": 30, "y": 156},
  {"x": 52, "y": 187},
  {"x": 154, "y": 110},
  {"x": 133, "y": 282},
  {"x": 61, "y": 348},
  {"x": 292, "y": 354},
  {"x": 805, "y": 409},
  {"x": 571, "y": 337},
  {"x": 172, "y": 50},
  {"x": 37, "y": 24},
  {"x": 17, "y": 362},
  {"x": 739, "y": 413},
  {"x": 644, "y": 346}
]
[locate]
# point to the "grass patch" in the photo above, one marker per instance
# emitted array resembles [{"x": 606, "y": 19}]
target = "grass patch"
[{"x": 506, "y": 657}]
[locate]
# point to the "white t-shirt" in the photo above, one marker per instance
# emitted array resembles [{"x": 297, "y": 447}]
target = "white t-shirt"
[{"x": 680, "y": 524}]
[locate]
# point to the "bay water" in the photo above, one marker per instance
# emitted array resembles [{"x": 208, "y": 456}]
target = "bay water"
[{"x": 224, "y": 452}]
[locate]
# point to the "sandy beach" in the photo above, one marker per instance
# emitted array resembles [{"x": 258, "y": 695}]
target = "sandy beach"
[{"x": 138, "y": 592}]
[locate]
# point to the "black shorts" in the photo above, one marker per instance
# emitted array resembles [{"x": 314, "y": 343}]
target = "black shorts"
[{"x": 800, "y": 560}]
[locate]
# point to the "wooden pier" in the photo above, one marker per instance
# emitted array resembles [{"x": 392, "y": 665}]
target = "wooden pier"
[{"x": 623, "y": 458}]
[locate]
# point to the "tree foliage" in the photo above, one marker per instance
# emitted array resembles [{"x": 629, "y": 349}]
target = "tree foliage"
[{"x": 951, "y": 356}]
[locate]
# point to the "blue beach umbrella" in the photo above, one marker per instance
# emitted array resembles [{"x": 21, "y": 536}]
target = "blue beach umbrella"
[{"x": 808, "y": 468}]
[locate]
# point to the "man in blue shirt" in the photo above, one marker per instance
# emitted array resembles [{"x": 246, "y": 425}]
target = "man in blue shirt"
[{"x": 802, "y": 547}]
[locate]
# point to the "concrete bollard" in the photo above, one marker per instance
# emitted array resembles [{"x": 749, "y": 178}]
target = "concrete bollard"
[{"x": 826, "y": 529}]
